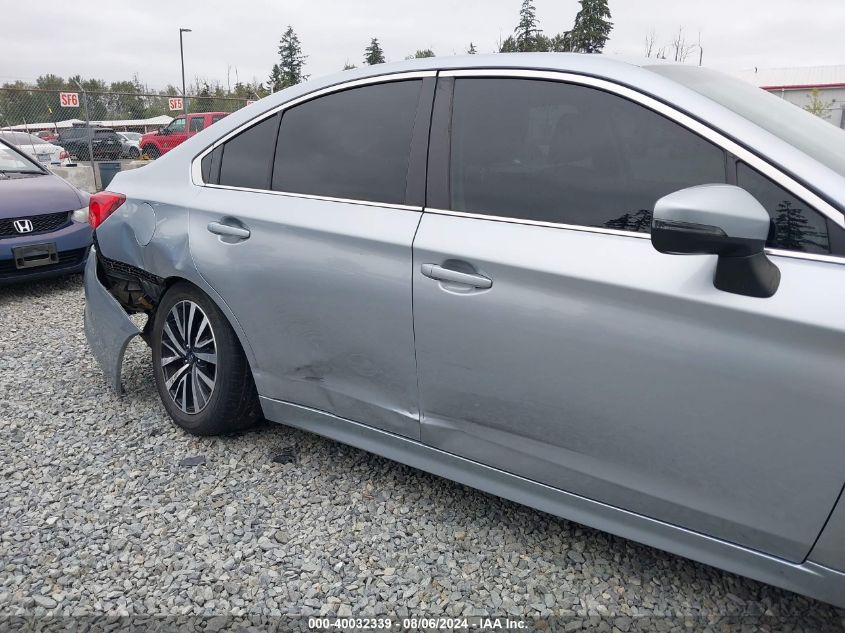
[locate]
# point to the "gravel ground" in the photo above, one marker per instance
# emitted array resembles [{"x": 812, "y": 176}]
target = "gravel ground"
[{"x": 100, "y": 515}]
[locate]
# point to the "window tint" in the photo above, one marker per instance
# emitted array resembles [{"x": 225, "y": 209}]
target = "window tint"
[
  {"x": 248, "y": 157},
  {"x": 796, "y": 227},
  {"x": 353, "y": 144},
  {"x": 215, "y": 118},
  {"x": 562, "y": 153},
  {"x": 177, "y": 125},
  {"x": 197, "y": 123}
]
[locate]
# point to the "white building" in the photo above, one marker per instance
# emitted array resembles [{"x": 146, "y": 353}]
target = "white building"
[{"x": 796, "y": 84}]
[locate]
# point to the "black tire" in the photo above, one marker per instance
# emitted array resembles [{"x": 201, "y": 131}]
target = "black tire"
[
  {"x": 134, "y": 153},
  {"x": 152, "y": 151},
  {"x": 232, "y": 404}
]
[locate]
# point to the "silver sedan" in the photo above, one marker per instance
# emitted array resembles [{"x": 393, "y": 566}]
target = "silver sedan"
[{"x": 604, "y": 289}]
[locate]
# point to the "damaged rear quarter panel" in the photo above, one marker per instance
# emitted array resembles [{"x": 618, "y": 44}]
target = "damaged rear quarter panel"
[{"x": 125, "y": 237}]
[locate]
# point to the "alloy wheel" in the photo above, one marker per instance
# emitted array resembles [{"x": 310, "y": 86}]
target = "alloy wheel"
[{"x": 188, "y": 356}]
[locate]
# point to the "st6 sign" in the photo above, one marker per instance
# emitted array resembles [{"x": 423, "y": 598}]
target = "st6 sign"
[
  {"x": 69, "y": 99},
  {"x": 175, "y": 103}
]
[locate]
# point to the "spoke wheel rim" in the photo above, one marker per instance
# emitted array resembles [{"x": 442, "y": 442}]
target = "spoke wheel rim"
[{"x": 188, "y": 357}]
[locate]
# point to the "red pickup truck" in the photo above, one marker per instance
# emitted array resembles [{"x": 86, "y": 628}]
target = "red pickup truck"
[{"x": 154, "y": 144}]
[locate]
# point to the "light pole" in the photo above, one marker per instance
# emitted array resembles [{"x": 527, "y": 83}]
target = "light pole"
[{"x": 182, "y": 57}]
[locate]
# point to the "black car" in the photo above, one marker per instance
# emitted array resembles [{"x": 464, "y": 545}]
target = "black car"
[{"x": 105, "y": 143}]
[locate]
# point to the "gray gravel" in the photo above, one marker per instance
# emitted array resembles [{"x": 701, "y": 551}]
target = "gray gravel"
[{"x": 106, "y": 508}]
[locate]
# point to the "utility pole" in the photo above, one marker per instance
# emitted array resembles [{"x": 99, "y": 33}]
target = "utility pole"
[
  {"x": 89, "y": 133},
  {"x": 184, "y": 96}
]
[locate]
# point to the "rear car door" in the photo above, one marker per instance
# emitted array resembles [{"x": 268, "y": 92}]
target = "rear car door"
[
  {"x": 554, "y": 342},
  {"x": 312, "y": 249}
]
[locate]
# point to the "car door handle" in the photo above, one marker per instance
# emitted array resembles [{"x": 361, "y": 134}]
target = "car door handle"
[
  {"x": 440, "y": 273},
  {"x": 218, "y": 228}
]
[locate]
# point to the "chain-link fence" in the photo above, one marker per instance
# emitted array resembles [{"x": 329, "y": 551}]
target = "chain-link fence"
[{"x": 62, "y": 128}]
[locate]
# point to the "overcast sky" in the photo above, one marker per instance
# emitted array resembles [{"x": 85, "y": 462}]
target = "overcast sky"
[{"x": 113, "y": 39}]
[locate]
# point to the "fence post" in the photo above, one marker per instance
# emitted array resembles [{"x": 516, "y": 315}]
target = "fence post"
[{"x": 89, "y": 133}]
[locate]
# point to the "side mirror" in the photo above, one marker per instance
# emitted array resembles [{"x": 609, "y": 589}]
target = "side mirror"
[
  {"x": 163, "y": 131},
  {"x": 719, "y": 220}
]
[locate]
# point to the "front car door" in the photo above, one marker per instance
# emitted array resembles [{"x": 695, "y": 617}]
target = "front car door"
[
  {"x": 554, "y": 342},
  {"x": 175, "y": 133},
  {"x": 316, "y": 264}
]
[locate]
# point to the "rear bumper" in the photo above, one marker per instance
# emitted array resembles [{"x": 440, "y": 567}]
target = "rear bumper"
[{"x": 107, "y": 326}]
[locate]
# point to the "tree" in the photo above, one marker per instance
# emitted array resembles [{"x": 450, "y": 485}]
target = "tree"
[
  {"x": 680, "y": 49},
  {"x": 348, "y": 66},
  {"x": 592, "y": 27},
  {"x": 422, "y": 54},
  {"x": 291, "y": 59},
  {"x": 561, "y": 43},
  {"x": 527, "y": 35},
  {"x": 373, "y": 53},
  {"x": 274, "y": 82},
  {"x": 817, "y": 105},
  {"x": 793, "y": 231},
  {"x": 471, "y": 50}
]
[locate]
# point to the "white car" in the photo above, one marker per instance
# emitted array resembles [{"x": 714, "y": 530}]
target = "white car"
[
  {"x": 39, "y": 149},
  {"x": 132, "y": 144}
]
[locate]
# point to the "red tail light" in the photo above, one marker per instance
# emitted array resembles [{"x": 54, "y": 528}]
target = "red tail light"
[{"x": 102, "y": 205}]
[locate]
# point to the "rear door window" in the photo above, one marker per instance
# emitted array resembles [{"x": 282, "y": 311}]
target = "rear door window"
[
  {"x": 247, "y": 159},
  {"x": 353, "y": 144},
  {"x": 197, "y": 123}
]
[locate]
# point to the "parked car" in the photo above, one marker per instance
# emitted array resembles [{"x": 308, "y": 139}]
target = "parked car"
[
  {"x": 44, "y": 230},
  {"x": 105, "y": 142},
  {"x": 154, "y": 144},
  {"x": 47, "y": 135},
  {"x": 37, "y": 148},
  {"x": 470, "y": 266},
  {"x": 131, "y": 144}
]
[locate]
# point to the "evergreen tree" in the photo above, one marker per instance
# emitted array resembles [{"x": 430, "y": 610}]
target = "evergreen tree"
[
  {"x": 793, "y": 231},
  {"x": 561, "y": 43},
  {"x": 348, "y": 66},
  {"x": 373, "y": 53},
  {"x": 291, "y": 59},
  {"x": 423, "y": 53},
  {"x": 592, "y": 27},
  {"x": 471, "y": 50},
  {"x": 509, "y": 45},
  {"x": 527, "y": 33},
  {"x": 275, "y": 80}
]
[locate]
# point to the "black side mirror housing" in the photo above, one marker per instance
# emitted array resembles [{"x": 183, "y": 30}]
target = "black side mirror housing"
[{"x": 719, "y": 220}]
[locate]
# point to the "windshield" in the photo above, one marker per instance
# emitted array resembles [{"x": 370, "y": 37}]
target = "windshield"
[
  {"x": 813, "y": 136},
  {"x": 11, "y": 161},
  {"x": 132, "y": 136}
]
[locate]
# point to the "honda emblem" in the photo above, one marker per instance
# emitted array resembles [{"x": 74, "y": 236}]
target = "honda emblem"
[{"x": 23, "y": 226}]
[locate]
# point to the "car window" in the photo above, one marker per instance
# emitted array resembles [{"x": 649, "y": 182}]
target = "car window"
[
  {"x": 215, "y": 118},
  {"x": 562, "y": 153},
  {"x": 796, "y": 227},
  {"x": 248, "y": 157},
  {"x": 177, "y": 125},
  {"x": 197, "y": 123},
  {"x": 353, "y": 144},
  {"x": 13, "y": 162}
]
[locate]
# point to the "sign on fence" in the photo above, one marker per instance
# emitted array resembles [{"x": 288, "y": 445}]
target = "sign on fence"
[
  {"x": 69, "y": 99},
  {"x": 175, "y": 104},
  {"x": 250, "y": 102}
]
